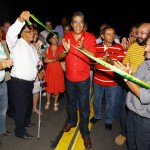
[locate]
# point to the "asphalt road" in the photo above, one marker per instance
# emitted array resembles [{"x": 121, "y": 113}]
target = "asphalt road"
[{"x": 48, "y": 135}]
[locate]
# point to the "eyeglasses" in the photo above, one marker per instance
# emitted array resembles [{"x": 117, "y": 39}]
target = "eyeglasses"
[
  {"x": 78, "y": 22},
  {"x": 28, "y": 31}
]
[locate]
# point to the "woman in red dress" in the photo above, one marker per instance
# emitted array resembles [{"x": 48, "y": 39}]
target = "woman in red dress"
[{"x": 54, "y": 76}]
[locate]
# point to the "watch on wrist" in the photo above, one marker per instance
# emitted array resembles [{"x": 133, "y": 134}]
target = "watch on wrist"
[
  {"x": 64, "y": 52},
  {"x": 125, "y": 79}
]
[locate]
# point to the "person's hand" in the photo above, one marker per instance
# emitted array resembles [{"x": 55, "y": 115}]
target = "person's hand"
[
  {"x": 122, "y": 67},
  {"x": 80, "y": 44},
  {"x": 124, "y": 42},
  {"x": 55, "y": 59},
  {"x": 130, "y": 41},
  {"x": 105, "y": 56},
  {"x": 66, "y": 45},
  {"x": 24, "y": 16},
  {"x": 107, "y": 59},
  {"x": 6, "y": 63}
]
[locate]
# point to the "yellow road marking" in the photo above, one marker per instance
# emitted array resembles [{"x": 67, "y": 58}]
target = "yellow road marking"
[
  {"x": 78, "y": 143},
  {"x": 68, "y": 136},
  {"x": 66, "y": 139}
]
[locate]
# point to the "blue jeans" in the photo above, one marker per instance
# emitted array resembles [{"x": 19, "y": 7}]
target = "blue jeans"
[
  {"x": 138, "y": 132},
  {"x": 3, "y": 106},
  {"x": 91, "y": 82},
  {"x": 110, "y": 95},
  {"x": 78, "y": 95}
]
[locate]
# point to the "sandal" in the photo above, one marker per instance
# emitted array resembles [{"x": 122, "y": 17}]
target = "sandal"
[
  {"x": 56, "y": 107},
  {"x": 47, "y": 106}
]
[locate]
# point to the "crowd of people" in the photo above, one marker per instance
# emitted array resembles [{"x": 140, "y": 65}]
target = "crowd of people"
[{"x": 55, "y": 57}]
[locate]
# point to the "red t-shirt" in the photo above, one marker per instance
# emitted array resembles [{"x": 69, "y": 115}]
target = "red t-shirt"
[
  {"x": 103, "y": 75},
  {"x": 77, "y": 64}
]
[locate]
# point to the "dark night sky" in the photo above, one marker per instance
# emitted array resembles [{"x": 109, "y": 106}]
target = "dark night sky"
[{"x": 120, "y": 15}]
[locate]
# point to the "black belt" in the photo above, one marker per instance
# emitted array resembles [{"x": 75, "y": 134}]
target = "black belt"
[{"x": 21, "y": 79}]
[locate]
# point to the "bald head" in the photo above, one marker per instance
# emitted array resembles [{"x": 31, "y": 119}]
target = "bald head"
[
  {"x": 145, "y": 27},
  {"x": 143, "y": 31}
]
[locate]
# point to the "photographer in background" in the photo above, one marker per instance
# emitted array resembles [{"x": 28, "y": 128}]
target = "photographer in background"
[{"x": 23, "y": 73}]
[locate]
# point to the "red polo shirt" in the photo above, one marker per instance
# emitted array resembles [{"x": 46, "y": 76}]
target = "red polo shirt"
[
  {"x": 103, "y": 75},
  {"x": 77, "y": 64}
]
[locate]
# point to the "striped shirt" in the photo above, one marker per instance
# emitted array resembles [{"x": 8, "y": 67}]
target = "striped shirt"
[
  {"x": 103, "y": 75},
  {"x": 134, "y": 55}
]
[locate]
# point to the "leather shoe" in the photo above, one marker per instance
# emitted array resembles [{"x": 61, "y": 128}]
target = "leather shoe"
[
  {"x": 7, "y": 133},
  {"x": 108, "y": 126},
  {"x": 30, "y": 125},
  {"x": 94, "y": 120},
  {"x": 87, "y": 142},
  {"x": 68, "y": 127},
  {"x": 26, "y": 136}
]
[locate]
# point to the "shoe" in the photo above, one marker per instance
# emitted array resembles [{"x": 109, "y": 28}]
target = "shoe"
[
  {"x": 56, "y": 107},
  {"x": 30, "y": 125},
  {"x": 120, "y": 139},
  {"x": 68, "y": 127},
  {"x": 108, "y": 126},
  {"x": 7, "y": 133},
  {"x": 47, "y": 106},
  {"x": 25, "y": 136},
  {"x": 87, "y": 142},
  {"x": 94, "y": 120}
]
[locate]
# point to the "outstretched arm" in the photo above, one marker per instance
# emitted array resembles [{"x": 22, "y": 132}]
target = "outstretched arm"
[{"x": 135, "y": 88}]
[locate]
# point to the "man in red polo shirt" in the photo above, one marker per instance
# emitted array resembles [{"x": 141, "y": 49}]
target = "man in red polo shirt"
[
  {"x": 78, "y": 74},
  {"x": 107, "y": 83}
]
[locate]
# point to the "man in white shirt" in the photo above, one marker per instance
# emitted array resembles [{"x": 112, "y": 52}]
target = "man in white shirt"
[{"x": 23, "y": 73}]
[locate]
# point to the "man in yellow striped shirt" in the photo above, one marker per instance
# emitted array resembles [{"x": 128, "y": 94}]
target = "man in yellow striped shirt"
[{"x": 135, "y": 56}]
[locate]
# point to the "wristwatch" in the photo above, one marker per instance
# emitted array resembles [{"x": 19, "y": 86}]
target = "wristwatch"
[
  {"x": 65, "y": 52},
  {"x": 125, "y": 79}
]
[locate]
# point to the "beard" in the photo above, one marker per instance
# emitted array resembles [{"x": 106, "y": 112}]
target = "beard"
[{"x": 141, "y": 41}]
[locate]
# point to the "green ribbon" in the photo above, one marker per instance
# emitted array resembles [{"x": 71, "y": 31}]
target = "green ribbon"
[
  {"x": 39, "y": 22},
  {"x": 117, "y": 70},
  {"x": 113, "y": 68}
]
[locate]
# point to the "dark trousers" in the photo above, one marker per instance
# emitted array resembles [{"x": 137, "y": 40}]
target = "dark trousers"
[
  {"x": 78, "y": 95},
  {"x": 23, "y": 101},
  {"x": 138, "y": 132},
  {"x": 10, "y": 110},
  {"x": 124, "y": 113}
]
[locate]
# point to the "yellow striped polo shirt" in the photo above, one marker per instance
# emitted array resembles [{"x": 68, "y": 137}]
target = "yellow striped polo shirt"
[{"x": 135, "y": 56}]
